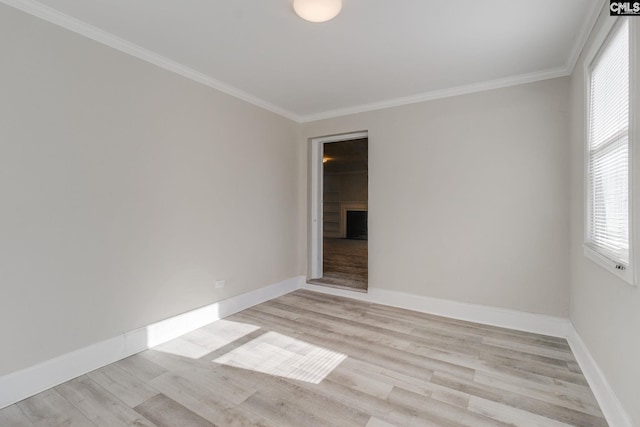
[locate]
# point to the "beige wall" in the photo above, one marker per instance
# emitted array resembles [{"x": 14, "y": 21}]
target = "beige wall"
[
  {"x": 468, "y": 196},
  {"x": 126, "y": 192},
  {"x": 604, "y": 309}
]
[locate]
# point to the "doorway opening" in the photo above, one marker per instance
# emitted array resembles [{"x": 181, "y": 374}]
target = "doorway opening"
[{"x": 340, "y": 232}]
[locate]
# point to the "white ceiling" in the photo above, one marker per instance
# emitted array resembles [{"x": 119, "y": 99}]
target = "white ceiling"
[{"x": 376, "y": 53}]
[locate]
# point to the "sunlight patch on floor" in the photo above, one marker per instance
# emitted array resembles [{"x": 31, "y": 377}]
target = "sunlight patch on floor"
[
  {"x": 207, "y": 339},
  {"x": 276, "y": 354}
]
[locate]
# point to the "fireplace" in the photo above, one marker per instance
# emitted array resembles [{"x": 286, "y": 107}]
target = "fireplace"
[{"x": 357, "y": 225}]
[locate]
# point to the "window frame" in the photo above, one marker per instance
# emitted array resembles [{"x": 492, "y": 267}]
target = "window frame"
[{"x": 602, "y": 37}]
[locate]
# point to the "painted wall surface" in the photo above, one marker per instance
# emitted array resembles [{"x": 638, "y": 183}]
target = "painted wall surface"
[
  {"x": 126, "y": 191},
  {"x": 604, "y": 309},
  {"x": 469, "y": 196}
]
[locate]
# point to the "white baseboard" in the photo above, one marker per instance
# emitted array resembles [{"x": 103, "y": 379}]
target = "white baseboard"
[
  {"x": 22, "y": 384},
  {"x": 494, "y": 316},
  {"x": 613, "y": 411}
]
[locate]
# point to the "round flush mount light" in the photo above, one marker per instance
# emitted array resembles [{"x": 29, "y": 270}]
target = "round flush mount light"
[{"x": 317, "y": 10}]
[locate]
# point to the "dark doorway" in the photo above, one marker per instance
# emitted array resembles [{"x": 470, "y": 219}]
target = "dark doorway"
[
  {"x": 357, "y": 225},
  {"x": 345, "y": 199}
]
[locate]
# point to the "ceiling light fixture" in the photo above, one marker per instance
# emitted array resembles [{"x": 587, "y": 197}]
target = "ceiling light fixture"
[{"x": 317, "y": 10}]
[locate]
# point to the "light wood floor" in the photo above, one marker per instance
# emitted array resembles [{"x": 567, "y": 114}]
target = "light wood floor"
[
  {"x": 344, "y": 263},
  {"x": 309, "y": 359}
]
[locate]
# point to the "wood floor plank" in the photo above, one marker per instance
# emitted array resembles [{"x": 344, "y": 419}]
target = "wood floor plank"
[
  {"x": 308, "y": 358},
  {"x": 360, "y": 381},
  {"x": 441, "y": 412},
  {"x": 534, "y": 367},
  {"x": 233, "y": 345},
  {"x": 366, "y": 336},
  {"x": 141, "y": 368},
  {"x": 312, "y": 334},
  {"x": 100, "y": 406},
  {"x": 346, "y": 327},
  {"x": 430, "y": 320},
  {"x": 554, "y": 353},
  {"x": 168, "y": 361},
  {"x": 519, "y": 401},
  {"x": 579, "y": 401},
  {"x": 128, "y": 388},
  {"x": 14, "y": 417},
  {"x": 165, "y": 412},
  {"x": 384, "y": 373},
  {"x": 339, "y": 397},
  {"x": 333, "y": 299},
  {"x": 369, "y": 404},
  {"x": 212, "y": 382},
  {"x": 205, "y": 401},
  {"x": 278, "y": 411},
  {"x": 219, "y": 334},
  {"x": 183, "y": 347},
  {"x": 345, "y": 262},
  {"x": 276, "y": 309},
  {"x": 49, "y": 408},
  {"x": 458, "y": 329},
  {"x": 360, "y": 348},
  {"x": 434, "y": 338},
  {"x": 377, "y": 422},
  {"x": 329, "y": 308},
  {"x": 306, "y": 397},
  {"x": 396, "y": 379},
  {"x": 551, "y": 385},
  {"x": 510, "y": 415}
]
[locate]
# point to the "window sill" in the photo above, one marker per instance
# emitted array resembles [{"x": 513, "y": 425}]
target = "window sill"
[{"x": 626, "y": 275}]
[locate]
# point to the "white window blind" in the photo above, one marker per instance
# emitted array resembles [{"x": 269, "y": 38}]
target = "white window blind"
[{"x": 608, "y": 133}]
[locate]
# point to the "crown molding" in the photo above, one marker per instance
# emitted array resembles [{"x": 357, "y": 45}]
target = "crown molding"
[
  {"x": 444, "y": 93},
  {"x": 77, "y": 26},
  {"x": 53, "y": 16},
  {"x": 583, "y": 35},
  {"x": 567, "y": 70}
]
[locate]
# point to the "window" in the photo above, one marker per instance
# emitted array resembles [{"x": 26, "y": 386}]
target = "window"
[{"x": 608, "y": 198}]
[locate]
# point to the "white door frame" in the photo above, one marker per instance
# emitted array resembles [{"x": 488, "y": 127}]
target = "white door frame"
[{"x": 315, "y": 195}]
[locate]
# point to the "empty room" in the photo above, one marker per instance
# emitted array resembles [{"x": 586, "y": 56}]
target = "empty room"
[{"x": 319, "y": 213}]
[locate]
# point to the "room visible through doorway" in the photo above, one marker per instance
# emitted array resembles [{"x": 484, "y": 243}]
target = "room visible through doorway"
[{"x": 345, "y": 200}]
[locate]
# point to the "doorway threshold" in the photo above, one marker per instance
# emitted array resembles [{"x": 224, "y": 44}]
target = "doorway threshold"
[{"x": 332, "y": 284}]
